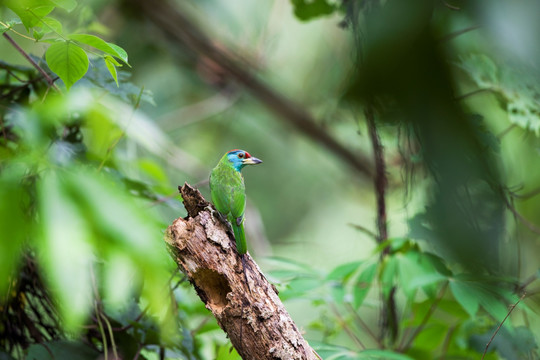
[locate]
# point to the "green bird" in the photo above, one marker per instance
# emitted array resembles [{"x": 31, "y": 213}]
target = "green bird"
[{"x": 229, "y": 194}]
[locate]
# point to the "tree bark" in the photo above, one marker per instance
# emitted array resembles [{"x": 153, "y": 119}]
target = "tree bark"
[{"x": 254, "y": 318}]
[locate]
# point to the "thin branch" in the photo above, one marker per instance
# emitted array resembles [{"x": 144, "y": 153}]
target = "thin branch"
[
  {"x": 477, "y": 91},
  {"x": 181, "y": 30},
  {"x": 363, "y": 324},
  {"x": 424, "y": 321},
  {"x": 505, "y": 131},
  {"x": 502, "y": 322},
  {"x": 364, "y": 229},
  {"x": 458, "y": 33},
  {"x": 50, "y": 81},
  {"x": 451, "y": 7},
  {"x": 346, "y": 327},
  {"x": 525, "y": 196},
  {"x": 532, "y": 227}
]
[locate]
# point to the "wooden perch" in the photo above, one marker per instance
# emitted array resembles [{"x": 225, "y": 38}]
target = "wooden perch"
[{"x": 256, "y": 321}]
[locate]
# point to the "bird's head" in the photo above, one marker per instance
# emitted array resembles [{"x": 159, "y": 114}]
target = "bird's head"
[{"x": 241, "y": 158}]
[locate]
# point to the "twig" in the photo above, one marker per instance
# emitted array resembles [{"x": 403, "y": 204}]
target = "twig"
[
  {"x": 528, "y": 195},
  {"x": 451, "y": 7},
  {"x": 505, "y": 131},
  {"x": 458, "y": 33},
  {"x": 532, "y": 227},
  {"x": 348, "y": 330},
  {"x": 364, "y": 229},
  {"x": 477, "y": 91},
  {"x": 502, "y": 322},
  {"x": 363, "y": 325},
  {"x": 34, "y": 64},
  {"x": 424, "y": 321}
]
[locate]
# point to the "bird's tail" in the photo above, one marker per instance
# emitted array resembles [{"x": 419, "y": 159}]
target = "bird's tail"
[{"x": 240, "y": 238}]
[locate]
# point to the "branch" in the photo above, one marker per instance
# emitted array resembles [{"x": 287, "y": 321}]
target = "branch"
[
  {"x": 50, "y": 81},
  {"x": 182, "y": 31},
  {"x": 255, "y": 321}
]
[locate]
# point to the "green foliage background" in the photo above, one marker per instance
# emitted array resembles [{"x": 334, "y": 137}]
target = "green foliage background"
[{"x": 89, "y": 168}]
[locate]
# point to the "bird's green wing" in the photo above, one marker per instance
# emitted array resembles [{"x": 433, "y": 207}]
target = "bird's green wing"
[{"x": 229, "y": 197}]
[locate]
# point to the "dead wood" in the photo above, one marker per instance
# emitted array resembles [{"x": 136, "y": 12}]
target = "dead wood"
[{"x": 256, "y": 321}]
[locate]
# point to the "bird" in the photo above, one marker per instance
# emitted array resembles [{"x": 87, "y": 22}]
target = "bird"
[{"x": 228, "y": 194}]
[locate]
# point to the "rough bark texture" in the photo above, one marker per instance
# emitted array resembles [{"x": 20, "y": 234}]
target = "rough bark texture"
[{"x": 255, "y": 320}]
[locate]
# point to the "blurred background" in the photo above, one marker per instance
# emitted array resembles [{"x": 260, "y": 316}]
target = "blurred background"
[{"x": 89, "y": 176}]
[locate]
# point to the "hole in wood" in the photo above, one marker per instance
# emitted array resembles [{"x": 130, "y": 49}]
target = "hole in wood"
[{"x": 214, "y": 285}]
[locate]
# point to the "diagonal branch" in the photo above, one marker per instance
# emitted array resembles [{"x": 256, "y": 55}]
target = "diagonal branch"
[
  {"x": 182, "y": 31},
  {"x": 255, "y": 321},
  {"x": 50, "y": 81}
]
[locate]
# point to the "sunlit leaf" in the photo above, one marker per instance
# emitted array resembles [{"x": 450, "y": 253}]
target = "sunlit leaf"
[
  {"x": 30, "y": 11},
  {"x": 100, "y": 44},
  {"x": 68, "y": 61}
]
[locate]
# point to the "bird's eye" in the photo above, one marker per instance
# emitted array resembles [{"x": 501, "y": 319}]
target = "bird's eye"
[{"x": 241, "y": 155}]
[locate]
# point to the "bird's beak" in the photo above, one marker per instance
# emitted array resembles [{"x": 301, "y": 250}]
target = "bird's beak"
[{"x": 251, "y": 161}]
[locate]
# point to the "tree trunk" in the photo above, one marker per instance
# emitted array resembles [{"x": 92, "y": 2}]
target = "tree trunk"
[{"x": 254, "y": 318}]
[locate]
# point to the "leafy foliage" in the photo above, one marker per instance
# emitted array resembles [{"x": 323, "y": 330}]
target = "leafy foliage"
[{"x": 87, "y": 181}]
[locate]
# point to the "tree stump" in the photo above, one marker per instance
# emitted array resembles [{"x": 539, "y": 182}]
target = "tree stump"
[{"x": 253, "y": 317}]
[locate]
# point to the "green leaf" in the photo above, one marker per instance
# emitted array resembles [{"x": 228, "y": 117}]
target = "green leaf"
[
  {"x": 465, "y": 295},
  {"x": 110, "y": 63},
  {"x": 65, "y": 249},
  {"x": 343, "y": 272},
  {"x": 363, "y": 284},
  {"x": 307, "y": 10},
  {"x": 50, "y": 24},
  {"x": 67, "y": 5},
  {"x": 37, "y": 34},
  {"x": 68, "y": 61},
  {"x": 13, "y": 225},
  {"x": 100, "y": 44},
  {"x": 121, "y": 52},
  {"x": 30, "y": 11}
]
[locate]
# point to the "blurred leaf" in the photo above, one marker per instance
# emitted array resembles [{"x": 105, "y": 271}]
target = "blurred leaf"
[
  {"x": 68, "y": 61},
  {"x": 518, "y": 93},
  {"x": 61, "y": 349},
  {"x": 66, "y": 250},
  {"x": 227, "y": 352},
  {"x": 465, "y": 296},
  {"x": 307, "y": 10},
  {"x": 344, "y": 272},
  {"x": 14, "y": 226},
  {"x": 67, "y": 5},
  {"x": 363, "y": 284}
]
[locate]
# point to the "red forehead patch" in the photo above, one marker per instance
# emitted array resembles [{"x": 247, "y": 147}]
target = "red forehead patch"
[{"x": 245, "y": 152}]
